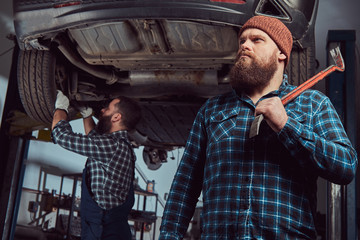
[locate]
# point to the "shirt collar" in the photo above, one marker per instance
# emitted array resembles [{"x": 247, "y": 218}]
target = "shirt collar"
[
  {"x": 120, "y": 134},
  {"x": 282, "y": 87},
  {"x": 284, "y": 83},
  {"x": 123, "y": 134}
]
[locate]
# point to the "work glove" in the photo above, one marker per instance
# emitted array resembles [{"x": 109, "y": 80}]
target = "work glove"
[
  {"x": 62, "y": 102},
  {"x": 85, "y": 111}
]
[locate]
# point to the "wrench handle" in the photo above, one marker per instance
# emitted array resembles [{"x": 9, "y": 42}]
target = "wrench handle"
[{"x": 307, "y": 84}]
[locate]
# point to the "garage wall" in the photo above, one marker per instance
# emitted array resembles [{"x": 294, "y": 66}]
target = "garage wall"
[{"x": 6, "y": 27}]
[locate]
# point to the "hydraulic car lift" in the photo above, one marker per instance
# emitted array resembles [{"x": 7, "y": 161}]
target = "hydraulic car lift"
[
  {"x": 12, "y": 154},
  {"x": 15, "y": 136},
  {"x": 341, "y": 214},
  {"x": 341, "y": 89}
]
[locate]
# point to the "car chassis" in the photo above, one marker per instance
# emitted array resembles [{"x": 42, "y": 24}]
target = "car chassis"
[{"x": 169, "y": 55}]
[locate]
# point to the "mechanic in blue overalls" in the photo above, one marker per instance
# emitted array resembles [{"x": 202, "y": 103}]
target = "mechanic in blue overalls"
[{"x": 107, "y": 194}]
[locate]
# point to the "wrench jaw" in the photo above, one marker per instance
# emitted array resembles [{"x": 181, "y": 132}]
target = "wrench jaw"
[
  {"x": 338, "y": 59},
  {"x": 255, "y": 126}
]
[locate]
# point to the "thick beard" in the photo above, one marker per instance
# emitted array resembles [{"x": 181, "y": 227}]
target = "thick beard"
[
  {"x": 104, "y": 125},
  {"x": 250, "y": 76}
]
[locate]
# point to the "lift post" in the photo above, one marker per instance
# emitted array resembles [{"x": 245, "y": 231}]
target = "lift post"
[
  {"x": 341, "y": 89},
  {"x": 13, "y": 149}
]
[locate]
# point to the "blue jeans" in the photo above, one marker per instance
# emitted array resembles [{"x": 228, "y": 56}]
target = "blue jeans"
[{"x": 97, "y": 223}]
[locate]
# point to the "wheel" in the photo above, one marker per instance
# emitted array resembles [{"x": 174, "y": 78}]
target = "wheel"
[
  {"x": 37, "y": 74},
  {"x": 302, "y": 65},
  {"x": 154, "y": 158}
]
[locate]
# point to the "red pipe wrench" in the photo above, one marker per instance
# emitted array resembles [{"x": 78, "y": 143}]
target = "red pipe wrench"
[{"x": 340, "y": 66}]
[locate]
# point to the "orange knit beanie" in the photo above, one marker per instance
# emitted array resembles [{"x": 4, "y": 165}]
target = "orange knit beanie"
[{"x": 277, "y": 31}]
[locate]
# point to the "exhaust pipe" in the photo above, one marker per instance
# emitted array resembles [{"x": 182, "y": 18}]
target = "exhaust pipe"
[{"x": 76, "y": 60}]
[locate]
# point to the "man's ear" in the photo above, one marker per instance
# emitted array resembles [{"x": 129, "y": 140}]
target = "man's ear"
[
  {"x": 116, "y": 117},
  {"x": 282, "y": 56}
]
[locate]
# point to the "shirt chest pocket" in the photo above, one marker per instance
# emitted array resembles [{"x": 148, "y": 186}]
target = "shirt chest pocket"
[{"x": 222, "y": 125}]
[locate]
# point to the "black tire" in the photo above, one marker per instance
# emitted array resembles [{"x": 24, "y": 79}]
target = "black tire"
[
  {"x": 301, "y": 65},
  {"x": 36, "y": 81}
]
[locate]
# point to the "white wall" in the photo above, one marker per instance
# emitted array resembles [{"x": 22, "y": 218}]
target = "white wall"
[{"x": 6, "y": 27}]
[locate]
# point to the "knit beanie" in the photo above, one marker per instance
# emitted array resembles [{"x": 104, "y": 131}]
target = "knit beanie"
[{"x": 277, "y": 31}]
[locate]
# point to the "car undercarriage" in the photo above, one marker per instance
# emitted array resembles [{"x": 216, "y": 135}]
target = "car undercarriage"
[{"x": 171, "y": 56}]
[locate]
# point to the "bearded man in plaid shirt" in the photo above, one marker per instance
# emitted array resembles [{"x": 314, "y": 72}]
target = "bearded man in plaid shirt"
[
  {"x": 107, "y": 193},
  {"x": 262, "y": 187}
]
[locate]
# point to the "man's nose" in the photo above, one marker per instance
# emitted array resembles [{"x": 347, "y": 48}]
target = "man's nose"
[{"x": 245, "y": 45}]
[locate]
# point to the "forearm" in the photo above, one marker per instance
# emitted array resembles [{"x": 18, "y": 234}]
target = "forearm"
[
  {"x": 63, "y": 135},
  {"x": 89, "y": 124},
  {"x": 58, "y": 116}
]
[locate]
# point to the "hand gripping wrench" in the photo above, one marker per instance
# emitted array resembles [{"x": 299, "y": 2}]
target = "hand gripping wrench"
[{"x": 340, "y": 66}]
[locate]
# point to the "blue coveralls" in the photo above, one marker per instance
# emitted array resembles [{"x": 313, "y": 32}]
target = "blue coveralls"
[{"x": 97, "y": 223}]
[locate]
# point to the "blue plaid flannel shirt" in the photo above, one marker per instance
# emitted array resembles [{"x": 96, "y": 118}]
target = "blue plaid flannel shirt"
[
  {"x": 110, "y": 164},
  {"x": 260, "y": 188}
]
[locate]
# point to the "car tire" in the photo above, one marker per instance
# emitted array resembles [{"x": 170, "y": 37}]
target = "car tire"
[
  {"x": 302, "y": 65},
  {"x": 36, "y": 82}
]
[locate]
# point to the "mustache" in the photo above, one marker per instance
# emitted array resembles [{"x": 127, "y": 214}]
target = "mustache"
[{"x": 245, "y": 53}]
